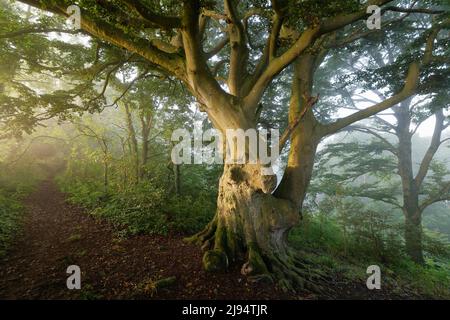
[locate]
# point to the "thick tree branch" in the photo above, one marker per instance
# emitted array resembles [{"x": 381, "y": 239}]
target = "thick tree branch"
[
  {"x": 412, "y": 10},
  {"x": 200, "y": 80},
  {"x": 239, "y": 50},
  {"x": 152, "y": 17},
  {"x": 277, "y": 65},
  {"x": 306, "y": 39},
  {"x": 335, "y": 23},
  {"x": 171, "y": 63},
  {"x": 407, "y": 91}
]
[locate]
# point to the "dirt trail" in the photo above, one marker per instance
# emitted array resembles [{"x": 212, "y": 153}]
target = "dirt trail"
[{"x": 56, "y": 235}]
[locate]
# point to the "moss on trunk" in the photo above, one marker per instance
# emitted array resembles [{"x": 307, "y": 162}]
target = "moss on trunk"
[{"x": 251, "y": 227}]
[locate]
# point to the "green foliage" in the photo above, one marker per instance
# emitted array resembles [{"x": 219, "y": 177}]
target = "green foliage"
[
  {"x": 10, "y": 209},
  {"x": 190, "y": 214},
  {"x": 145, "y": 200},
  {"x": 15, "y": 184},
  {"x": 138, "y": 209},
  {"x": 433, "y": 279},
  {"x": 351, "y": 232},
  {"x": 346, "y": 243},
  {"x": 437, "y": 218},
  {"x": 88, "y": 194},
  {"x": 143, "y": 208},
  {"x": 310, "y": 11},
  {"x": 30, "y": 58}
]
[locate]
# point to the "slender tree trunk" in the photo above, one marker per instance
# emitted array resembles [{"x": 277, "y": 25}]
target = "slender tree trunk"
[
  {"x": 177, "y": 178},
  {"x": 134, "y": 142},
  {"x": 146, "y": 124},
  {"x": 145, "y": 151},
  {"x": 105, "y": 177},
  {"x": 145, "y": 155},
  {"x": 413, "y": 237},
  {"x": 412, "y": 213},
  {"x": 124, "y": 163}
]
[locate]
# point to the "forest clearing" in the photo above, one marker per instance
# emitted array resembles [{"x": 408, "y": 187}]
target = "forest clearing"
[{"x": 225, "y": 150}]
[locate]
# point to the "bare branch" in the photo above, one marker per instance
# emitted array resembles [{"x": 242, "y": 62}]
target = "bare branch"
[
  {"x": 407, "y": 91},
  {"x": 311, "y": 101},
  {"x": 442, "y": 195},
  {"x": 220, "y": 45}
]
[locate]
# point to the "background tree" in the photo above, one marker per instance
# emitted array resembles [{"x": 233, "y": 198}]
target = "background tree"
[
  {"x": 401, "y": 123},
  {"x": 369, "y": 169}
]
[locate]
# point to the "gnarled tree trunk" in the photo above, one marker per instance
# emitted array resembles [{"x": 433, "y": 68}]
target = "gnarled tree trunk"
[
  {"x": 253, "y": 221},
  {"x": 251, "y": 225}
]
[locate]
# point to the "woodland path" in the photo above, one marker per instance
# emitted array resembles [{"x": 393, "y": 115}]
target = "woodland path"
[{"x": 56, "y": 234}]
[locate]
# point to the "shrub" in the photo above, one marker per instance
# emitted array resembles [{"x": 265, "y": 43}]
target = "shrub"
[
  {"x": 188, "y": 214},
  {"x": 10, "y": 209}
]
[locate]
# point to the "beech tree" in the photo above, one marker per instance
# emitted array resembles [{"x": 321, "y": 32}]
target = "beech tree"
[{"x": 226, "y": 54}]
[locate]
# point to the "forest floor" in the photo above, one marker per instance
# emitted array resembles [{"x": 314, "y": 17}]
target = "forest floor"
[{"x": 56, "y": 234}]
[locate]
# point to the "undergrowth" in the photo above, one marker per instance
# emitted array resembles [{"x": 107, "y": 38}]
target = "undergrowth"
[
  {"x": 12, "y": 192},
  {"x": 348, "y": 253},
  {"x": 144, "y": 208},
  {"x": 344, "y": 242}
]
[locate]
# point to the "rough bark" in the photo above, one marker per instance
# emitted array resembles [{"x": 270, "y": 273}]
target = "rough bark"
[
  {"x": 251, "y": 223},
  {"x": 252, "y": 226}
]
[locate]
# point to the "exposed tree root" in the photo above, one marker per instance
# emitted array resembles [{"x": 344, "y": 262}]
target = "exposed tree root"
[
  {"x": 251, "y": 227},
  {"x": 285, "y": 268}
]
